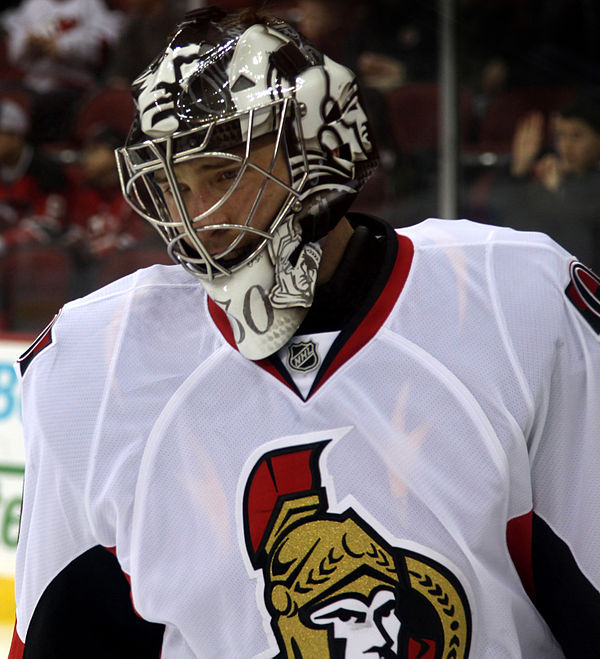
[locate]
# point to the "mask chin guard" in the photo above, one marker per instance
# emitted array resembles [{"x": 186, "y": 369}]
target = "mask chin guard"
[{"x": 267, "y": 300}]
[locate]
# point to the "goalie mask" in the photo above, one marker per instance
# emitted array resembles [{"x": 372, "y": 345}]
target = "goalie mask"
[{"x": 247, "y": 148}]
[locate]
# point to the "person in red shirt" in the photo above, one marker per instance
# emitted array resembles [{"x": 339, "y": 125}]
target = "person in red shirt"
[
  {"x": 32, "y": 184},
  {"x": 100, "y": 220}
]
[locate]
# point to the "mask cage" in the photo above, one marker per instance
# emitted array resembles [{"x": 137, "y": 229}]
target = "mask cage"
[{"x": 138, "y": 164}]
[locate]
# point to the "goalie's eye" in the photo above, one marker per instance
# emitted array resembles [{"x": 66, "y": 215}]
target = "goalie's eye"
[{"x": 229, "y": 174}]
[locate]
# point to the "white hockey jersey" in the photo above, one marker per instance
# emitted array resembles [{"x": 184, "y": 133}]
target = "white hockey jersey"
[{"x": 424, "y": 483}]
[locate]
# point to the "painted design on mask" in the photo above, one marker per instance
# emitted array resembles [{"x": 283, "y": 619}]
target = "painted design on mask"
[
  {"x": 267, "y": 301},
  {"x": 296, "y": 267},
  {"x": 158, "y": 89}
]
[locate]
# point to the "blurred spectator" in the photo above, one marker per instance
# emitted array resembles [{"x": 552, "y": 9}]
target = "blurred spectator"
[
  {"x": 555, "y": 192},
  {"x": 387, "y": 42},
  {"x": 492, "y": 39},
  {"x": 494, "y": 31},
  {"x": 148, "y": 24},
  {"x": 380, "y": 72},
  {"x": 100, "y": 220},
  {"x": 493, "y": 79},
  {"x": 577, "y": 135},
  {"x": 32, "y": 185},
  {"x": 60, "y": 46},
  {"x": 406, "y": 32},
  {"x": 329, "y": 24}
]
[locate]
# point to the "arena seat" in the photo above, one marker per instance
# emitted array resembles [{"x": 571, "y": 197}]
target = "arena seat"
[{"x": 413, "y": 112}]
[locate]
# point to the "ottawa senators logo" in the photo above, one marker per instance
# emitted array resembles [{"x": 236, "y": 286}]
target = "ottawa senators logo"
[
  {"x": 583, "y": 292},
  {"x": 333, "y": 587}
]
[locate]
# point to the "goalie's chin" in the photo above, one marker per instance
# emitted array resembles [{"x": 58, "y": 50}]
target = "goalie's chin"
[{"x": 218, "y": 259}]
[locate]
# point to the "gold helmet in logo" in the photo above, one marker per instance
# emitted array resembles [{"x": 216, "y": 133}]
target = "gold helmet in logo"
[
  {"x": 314, "y": 563},
  {"x": 332, "y": 585}
]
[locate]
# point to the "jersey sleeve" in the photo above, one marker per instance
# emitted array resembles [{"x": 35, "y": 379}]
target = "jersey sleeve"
[
  {"x": 551, "y": 305},
  {"x": 73, "y": 598}
]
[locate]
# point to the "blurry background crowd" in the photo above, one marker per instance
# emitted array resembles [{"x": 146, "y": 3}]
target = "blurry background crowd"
[{"x": 529, "y": 115}]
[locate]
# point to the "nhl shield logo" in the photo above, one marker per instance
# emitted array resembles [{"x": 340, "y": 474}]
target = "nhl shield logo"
[{"x": 303, "y": 356}]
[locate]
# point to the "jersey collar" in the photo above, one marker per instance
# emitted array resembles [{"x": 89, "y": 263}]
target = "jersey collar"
[{"x": 362, "y": 324}]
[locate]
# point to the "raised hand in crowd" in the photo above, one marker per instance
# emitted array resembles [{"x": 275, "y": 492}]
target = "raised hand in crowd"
[{"x": 527, "y": 144}]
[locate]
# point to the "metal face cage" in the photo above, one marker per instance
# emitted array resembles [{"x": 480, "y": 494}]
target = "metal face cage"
[{"x": 231, "y": 139}]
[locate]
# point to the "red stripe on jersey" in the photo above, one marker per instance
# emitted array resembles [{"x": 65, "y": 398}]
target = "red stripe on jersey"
[
  {"x": 17, "y": 647},
  {"x": 270, "y": 368},
  {"x": 519, "y": 539},
  {"x": 379, "y": 312},
  {"x": 220, "y": 319},
  {"x": 42, "y": 341}
]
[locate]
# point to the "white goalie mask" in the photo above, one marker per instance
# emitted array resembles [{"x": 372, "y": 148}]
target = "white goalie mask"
[{"x": 222, "y": 86}]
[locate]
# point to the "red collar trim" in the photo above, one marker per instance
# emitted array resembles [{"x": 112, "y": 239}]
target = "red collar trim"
[
  {"x": 222, "y": 322},
  {"x": 224, "y": 326},
  {"x": 379, "y": 312}
]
